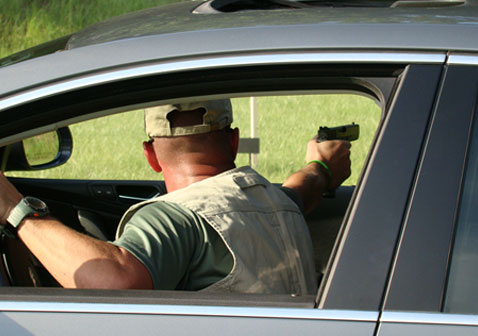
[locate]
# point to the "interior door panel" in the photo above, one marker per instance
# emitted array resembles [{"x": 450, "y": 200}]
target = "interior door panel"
[
  {"x": 106, "y": 200},
  {"x": 96, "y": 207}
]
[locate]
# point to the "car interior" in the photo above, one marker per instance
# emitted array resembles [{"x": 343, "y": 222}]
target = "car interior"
[{"x": 93, "y": 203}]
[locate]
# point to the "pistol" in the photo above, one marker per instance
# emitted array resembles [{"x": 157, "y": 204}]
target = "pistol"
[{"x": 345, "y": 132}]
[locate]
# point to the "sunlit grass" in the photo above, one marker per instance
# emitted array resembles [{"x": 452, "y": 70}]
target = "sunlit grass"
[
  {"x": 111, "y": 147},
  {"x": 286, "y": 124},
  {"x": 26, "y": 23}
]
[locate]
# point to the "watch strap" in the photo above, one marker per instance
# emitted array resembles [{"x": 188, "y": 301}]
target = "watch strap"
[
  {"x": 18, "y": 213},
  {"x": 24, "y": 209}
]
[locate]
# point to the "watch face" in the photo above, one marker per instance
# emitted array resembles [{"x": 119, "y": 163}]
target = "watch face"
[{"x": 36, "y": 204}]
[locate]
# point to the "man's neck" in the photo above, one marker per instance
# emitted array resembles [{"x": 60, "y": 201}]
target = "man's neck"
[{"x": 184, "y": 175}]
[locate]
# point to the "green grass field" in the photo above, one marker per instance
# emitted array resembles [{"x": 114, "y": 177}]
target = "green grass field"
[
  {"x": 110, "y": 148},
  {"x": 26, "y": 23}
]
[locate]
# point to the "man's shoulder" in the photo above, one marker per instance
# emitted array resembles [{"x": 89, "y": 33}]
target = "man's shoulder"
[{"x": 161, "y": 209}]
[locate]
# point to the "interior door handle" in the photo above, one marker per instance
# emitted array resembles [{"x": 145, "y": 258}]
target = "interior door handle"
[
  {"x": 135, "y": 198},
  {"x": 138, "y": 193}
]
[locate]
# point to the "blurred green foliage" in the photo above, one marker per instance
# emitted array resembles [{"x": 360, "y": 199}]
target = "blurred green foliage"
[{"x": 26, "y": 23}]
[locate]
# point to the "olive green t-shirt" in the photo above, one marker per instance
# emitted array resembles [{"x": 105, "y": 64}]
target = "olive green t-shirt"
[{"x": 179, "y": 248}]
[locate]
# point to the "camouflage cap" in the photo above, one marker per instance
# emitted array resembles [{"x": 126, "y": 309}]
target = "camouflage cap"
[{"x": 218, "y": 115}]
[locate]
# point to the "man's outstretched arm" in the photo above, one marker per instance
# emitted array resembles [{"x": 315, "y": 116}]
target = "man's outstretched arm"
[
  {"x": 74, "y": 259},
  {"x": 313, "y": 180}
]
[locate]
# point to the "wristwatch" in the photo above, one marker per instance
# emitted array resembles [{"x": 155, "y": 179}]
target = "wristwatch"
[{"x": 27, "y": 207}]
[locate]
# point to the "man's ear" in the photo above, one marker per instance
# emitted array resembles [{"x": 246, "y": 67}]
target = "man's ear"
[
  {"x": 235, "y": 141},
  {"x": 150, "y": 155}
]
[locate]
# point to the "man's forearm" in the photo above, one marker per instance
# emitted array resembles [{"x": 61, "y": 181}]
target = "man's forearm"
[
  {"x": 79, "y": 261},
  {"x": 310, "y": 183},
  {"x": 74, "y": 259}
]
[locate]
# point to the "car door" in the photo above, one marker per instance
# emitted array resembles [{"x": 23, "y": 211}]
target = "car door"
[
  {"x": 351, "y": 292},
  {"x": 433, "y": 287}
]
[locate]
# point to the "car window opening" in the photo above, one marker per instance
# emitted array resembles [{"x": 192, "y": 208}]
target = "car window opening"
[{"x": 273, "y": 148}]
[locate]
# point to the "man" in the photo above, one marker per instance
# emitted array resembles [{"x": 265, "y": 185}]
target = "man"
[{"x": 218, "y": 228}]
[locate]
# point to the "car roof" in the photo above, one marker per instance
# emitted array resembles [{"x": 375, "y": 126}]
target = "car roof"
[
  {"x": 184, "y": 17},
  {"x": 177, "y": 31}
]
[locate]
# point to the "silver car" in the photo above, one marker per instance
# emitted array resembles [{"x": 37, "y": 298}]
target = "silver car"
[{"x": 397, "y": 249}]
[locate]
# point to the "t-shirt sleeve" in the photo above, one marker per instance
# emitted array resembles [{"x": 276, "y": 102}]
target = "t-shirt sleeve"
[{"x": 162, "y": 237}]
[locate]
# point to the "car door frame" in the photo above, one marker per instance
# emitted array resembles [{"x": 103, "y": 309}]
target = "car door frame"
[
  {"x": 416, "y": 292},
  {"x": 370, "y": 234},
  {"x": 360, "y": 308}
]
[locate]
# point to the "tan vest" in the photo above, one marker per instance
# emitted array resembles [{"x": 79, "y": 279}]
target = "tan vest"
[{"x": 260, "y": 225}]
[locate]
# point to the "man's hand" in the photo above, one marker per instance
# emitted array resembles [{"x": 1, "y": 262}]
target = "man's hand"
[
  {"x": 335, "y": 154},
  {"x": 313, "y": 180},
  {"x": 9, "y": 198}
]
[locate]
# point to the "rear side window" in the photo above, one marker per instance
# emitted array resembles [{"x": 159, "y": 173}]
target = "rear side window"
[{"x": 462, "y": 291}]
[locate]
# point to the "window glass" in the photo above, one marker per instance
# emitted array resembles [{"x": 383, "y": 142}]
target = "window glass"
[
  {"x": 462, "y": 291},
  {"x": 111, "y": 147}
]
